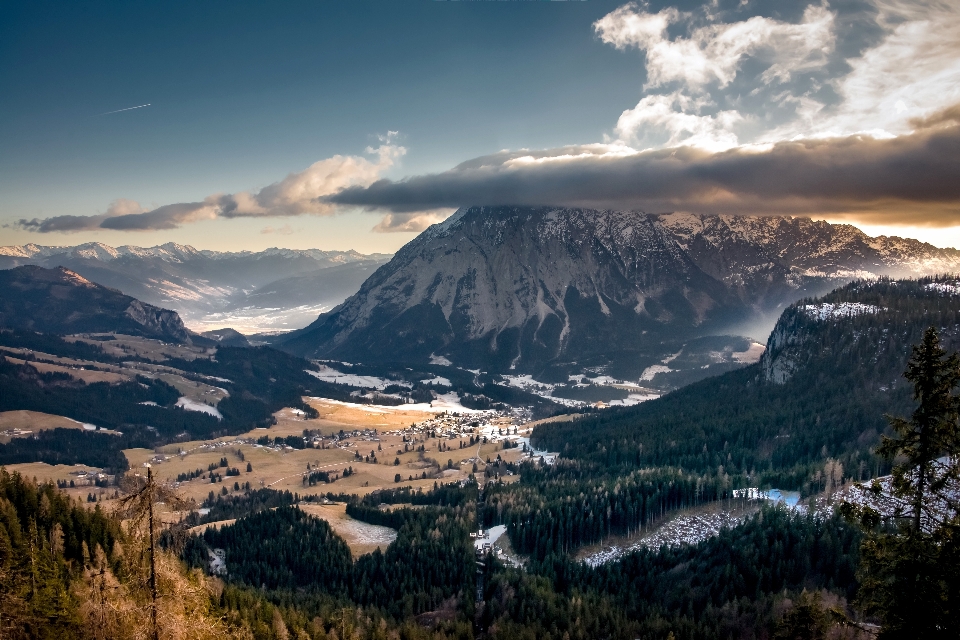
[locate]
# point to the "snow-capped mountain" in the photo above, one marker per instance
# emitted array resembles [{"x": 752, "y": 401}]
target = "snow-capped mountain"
[
  {"x": 525, "y": 288},
  {"x": 212, "y": 289}
]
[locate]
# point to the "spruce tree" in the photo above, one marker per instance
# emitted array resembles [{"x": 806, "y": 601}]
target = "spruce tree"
[{"x": 909, "y": 577}]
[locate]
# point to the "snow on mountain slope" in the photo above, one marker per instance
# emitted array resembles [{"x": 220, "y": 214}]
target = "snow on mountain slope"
[
  {"x": 210, "y": 289},
  {"x": 523, "y": 288}
]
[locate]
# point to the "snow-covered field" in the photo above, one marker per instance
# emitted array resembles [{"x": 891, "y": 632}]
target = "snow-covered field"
[
  {"x": 650, "y": 372},
  {"x": 363, "y": 533},
  {"x": 682, "y": 530},
  {"x": 632, "y": 399},
  {"x": 447, "y": 402},
  {"x": 192, "y": 405},
  {"x": 491, "y": 535},
  {"x": 329, "y": 374},
  {"x": 695, "y": 528}
]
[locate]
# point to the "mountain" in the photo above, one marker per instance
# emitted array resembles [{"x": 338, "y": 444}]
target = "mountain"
[
  {"x": 212, "y": 289},
  {"x": 539, "y": 289},
  {"x": 831, "y": 371},
  {"x": 62, "y": 301}
]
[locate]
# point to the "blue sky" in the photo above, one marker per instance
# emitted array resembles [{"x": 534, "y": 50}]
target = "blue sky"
[{"x": 335, "y": 104}]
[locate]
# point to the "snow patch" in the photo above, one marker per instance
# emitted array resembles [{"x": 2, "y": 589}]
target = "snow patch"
[
  {"x": 329, "y": 374},
  {"x": 490, "y": 536},
  {"x": 192, "y": 405},
  {"x": 830, "y": 311},
  {"x": 632, "y": 399},
  {"x": 651, "y": 371},
  {"x": 948, "y": 288}
]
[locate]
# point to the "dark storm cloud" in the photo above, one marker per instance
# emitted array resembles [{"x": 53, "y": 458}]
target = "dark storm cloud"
[{"x": 914, "y": 174}]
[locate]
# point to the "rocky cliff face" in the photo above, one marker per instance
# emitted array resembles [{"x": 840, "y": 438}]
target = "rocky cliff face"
[
  {"x": 868, "y": 326},
  {"x": 156, "y": 320},
  {"x": 524, "y": 288}
]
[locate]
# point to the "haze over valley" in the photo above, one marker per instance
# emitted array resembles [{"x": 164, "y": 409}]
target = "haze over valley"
[{"x": 480, "y": 320}]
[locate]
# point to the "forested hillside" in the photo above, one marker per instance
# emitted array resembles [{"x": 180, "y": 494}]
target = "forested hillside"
[
  {"x": 259, "y": 382},
  {"x": 807, "y": 417},
  {"x": 831, "y": 372}
]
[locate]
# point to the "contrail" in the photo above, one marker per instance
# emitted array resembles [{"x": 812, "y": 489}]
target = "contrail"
[{"x": 127, "y": 109}]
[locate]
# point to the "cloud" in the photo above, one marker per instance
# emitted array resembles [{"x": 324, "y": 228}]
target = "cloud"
[
  {"x": 297, "y": 194},
  {"x": 883, "y": 147},
  {"x": 714, "y": 53},
  {"x": 669, "y": 116},
  {"x": 411, "y": 222},
  {"x": 911, "y": 175},
  {"x": 707, "y": 60},
  {"x": 285, "y": 230},
  {"x": 912, "y": 72},
  {"x": 849, "y": 110}
]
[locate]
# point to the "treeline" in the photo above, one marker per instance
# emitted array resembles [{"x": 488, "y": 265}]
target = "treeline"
[
  {"x": 558, "y": 508},
  {"x": 45, "y": 542},
  {"x": 446, "y": 495},
  {"x": 67, "y": 446},
  {"x": 781, "y": 435},
  {"x": 111, "y": 406},
  {"x": 846, "y": 374},
  {"x": 261, "y": 381},
  {"x": 736, "y": 584},
  {"x": 238, "y": 505},
  {"x": 482, "y": 391},
  {"x": 143, "y": 410},
  {"x": 68, "y": 572},
  {"x": 284, "y": 550},
  {"x": 54, "y": 345}
]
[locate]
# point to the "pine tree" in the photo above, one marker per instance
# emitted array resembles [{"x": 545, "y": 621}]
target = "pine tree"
[{"x": 909, "y": 576}]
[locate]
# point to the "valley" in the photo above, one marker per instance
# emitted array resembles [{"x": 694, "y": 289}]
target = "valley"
[{"x": 380, "y": 482}]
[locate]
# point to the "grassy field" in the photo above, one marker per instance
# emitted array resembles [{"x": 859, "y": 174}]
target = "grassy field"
[
  {"x": 124, "y": 346},
  {"x": 360, "y": 537},
  {"x": 20, "y": 424},
  {"x": 379, "y": 435},
  {"x": 113, "y": 373}
]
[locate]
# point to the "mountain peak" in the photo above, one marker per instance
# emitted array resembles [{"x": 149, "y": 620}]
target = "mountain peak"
[{"x": 524, "y": 287}]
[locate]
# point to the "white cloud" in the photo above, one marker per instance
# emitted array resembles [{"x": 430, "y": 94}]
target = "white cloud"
[
  {"x": 677, "y": 117},
  {"x": 912, "y": 73},
  {"x": 285, "y": 230},
  {"x": 411, "y": 222},
  {"x": 122, "y": 207},
  {"x": 299, "y": 193},
  {"x": 713, "y": 53}
]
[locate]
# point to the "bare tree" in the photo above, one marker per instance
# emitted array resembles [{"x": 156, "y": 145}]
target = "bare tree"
[{"x": 138, "y": 506}]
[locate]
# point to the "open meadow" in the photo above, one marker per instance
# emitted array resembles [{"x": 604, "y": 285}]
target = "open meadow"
[{"x": 349, "y": 449}]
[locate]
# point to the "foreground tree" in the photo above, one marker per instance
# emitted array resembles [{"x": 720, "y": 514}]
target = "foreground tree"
[{"x": 909, "y": 572}]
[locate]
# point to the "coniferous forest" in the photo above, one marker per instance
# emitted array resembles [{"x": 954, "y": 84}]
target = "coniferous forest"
[{"x": 274, "y": 571}]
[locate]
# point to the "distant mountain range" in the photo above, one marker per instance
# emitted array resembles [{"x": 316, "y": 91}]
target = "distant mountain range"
[
  {"x": 550, "y": 290},
  {"x": 275, "y": 289}
]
